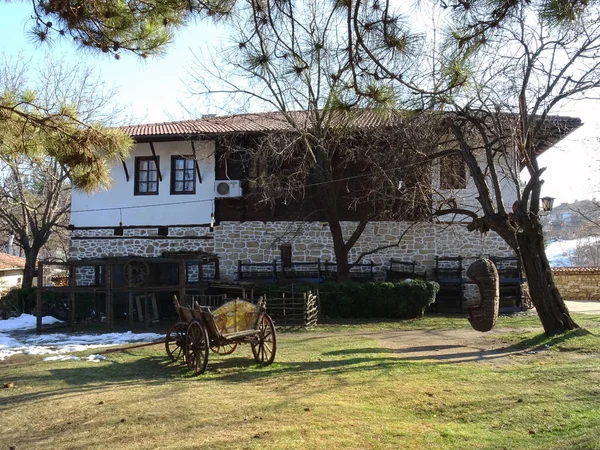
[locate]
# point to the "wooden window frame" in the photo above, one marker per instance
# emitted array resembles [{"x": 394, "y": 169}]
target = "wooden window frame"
[
  {"x": 174, "y": 159},
  {"x": 257, "y": 169},
  {"x": 138, "y": 161}
]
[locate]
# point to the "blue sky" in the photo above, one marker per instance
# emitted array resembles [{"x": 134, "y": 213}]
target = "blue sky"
[{"x": 152, "y": 90}]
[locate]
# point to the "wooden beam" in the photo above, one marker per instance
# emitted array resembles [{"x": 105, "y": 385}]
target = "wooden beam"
[
  {"x": 196, "y": 162},
  {"x": 155, "y": 161},
  {"x": 109, "y": 297},
  {"x": 130, "y": 310},
  {"x": 125, "y": 169},
  {"x": 181, "y": 283},
  {"x": 72, "y": 298},
  {"x": 146, "y": 311},
  {"x": 38, "y": 298}
]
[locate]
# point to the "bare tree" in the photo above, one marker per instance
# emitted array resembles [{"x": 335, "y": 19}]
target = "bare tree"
[
  {"x": 507, "y": 119},
  {"x": 35, "y": 185},
  {"x": 520, "y": 69},
  {"x": 337, "y": 142}
]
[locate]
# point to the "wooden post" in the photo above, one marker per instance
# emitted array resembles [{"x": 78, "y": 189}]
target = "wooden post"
[
  {"x": 217, "y": 270},
  {"x": 109, "y": 297},
  {"x": 146, "y": 311},
  {"x": 72, "y": 297},
  {"x": 38, "y": 298},
  {"x": 181, "y": 274},
  {"x": 130, "y": 310}
]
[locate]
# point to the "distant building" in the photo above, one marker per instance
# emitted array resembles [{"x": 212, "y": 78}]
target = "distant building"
[{"x": 11, "y": 271}]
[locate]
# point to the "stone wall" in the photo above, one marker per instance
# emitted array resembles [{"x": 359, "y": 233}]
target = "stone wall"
[
  {"x": 261, "y": 241},
  {"x": 578, "y": 283},
  {"x": 143, "y": 242}
]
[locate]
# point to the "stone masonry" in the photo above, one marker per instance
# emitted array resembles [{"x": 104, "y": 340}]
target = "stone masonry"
[
  {"x": 578, "y": 283},
  {"x": 261, "y": 241}
]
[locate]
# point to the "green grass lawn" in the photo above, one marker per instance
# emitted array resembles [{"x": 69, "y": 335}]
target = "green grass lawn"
[{"x": 336, "y": 387}]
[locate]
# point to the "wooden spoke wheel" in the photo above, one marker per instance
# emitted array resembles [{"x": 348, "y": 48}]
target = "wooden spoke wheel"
[
  {"x": 175, "y": 341},
  {"x": 136, "y": 271},
  {"x": 265, "y": 347},
  {"x": 224, "y": 349},
  {"x": 196, "y": 347}
]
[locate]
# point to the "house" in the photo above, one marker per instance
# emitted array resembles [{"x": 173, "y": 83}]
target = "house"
[
  {"x": 11, "y": 272},
  {"x": 176, "y": 193}
]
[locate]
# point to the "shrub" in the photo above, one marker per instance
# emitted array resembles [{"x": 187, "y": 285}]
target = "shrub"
[{"x": 366, "y": 300}]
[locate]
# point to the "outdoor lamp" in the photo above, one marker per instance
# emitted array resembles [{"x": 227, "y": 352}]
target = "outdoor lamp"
[{"x": 547, "y": 203}]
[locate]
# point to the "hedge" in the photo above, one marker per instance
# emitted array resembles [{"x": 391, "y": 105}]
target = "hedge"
[{"x": 402, "y": 300}]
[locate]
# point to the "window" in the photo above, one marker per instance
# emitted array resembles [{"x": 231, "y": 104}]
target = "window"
[
  {"x": 146, "y": 176},
  {"x": 257, "y": 169},
  {"x": 183, "y": 175},
  {"x": 453, "y": 172}
]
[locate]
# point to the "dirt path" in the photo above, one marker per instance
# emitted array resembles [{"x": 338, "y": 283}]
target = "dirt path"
[{"x": 452, "y": 346}]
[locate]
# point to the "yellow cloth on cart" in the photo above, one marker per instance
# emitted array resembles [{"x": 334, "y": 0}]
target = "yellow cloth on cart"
[{"x": 236, "y": 315}]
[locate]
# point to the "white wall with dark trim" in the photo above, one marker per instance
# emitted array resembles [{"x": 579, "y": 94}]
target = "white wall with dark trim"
[{"x": 118, "y": 204}]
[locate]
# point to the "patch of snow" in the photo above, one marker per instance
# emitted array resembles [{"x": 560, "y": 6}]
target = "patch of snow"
[
  {"x": 62, "y": 343},
  {"x": 559, "y": 252},
  {"x": 96, "y": 358},
  {"x": 25, "y": 322},
  {"x": 62, "y": 358}
]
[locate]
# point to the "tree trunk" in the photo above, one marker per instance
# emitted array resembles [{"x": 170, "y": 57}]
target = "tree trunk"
[
  {"x": 31, "y": 256},
  {"x": 546, "y": 298},
  {"x": 343, "y": 267}
]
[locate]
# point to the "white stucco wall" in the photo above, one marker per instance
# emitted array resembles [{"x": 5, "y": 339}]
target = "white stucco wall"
[
  {"x": 10, "y": 279},
  {"x": 467, "y": 198},
  {"x": 118, "y": 204}
]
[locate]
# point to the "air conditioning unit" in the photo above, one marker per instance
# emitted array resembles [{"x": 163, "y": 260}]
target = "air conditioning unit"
[{"x": 228, "y": 188}]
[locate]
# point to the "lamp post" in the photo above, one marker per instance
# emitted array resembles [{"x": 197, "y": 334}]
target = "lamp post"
[{"x": 547, "y": 203}]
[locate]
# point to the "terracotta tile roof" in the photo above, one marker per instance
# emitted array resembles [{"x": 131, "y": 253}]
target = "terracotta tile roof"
[
  {"x": 556, "y": 128},
  {"x": 11, "y": 262},
  {"x": 247, "y": 123},
  {"x": 576, "y": 270}
]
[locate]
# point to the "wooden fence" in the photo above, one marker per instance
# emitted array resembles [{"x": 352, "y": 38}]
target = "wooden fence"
[{"x": 297, "y": 309}]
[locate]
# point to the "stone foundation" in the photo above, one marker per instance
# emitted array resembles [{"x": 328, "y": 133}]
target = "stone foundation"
[{"x": 261, "y": 241}]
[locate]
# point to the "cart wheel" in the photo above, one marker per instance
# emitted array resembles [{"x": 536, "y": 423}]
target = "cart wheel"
[
  {"x": 265, "y": 348},
  {"x": 225, "y": 349},
  {"x": 135, "y": 272},
  {"x": 196, "y": 347},
  {"x": 175, "y": 341}
]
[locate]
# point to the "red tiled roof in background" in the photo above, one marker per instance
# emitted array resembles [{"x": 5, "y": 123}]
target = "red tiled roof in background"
[{"x": 11, "y": 262}]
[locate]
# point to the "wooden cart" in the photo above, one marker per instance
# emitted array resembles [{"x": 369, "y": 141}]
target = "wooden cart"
[{"x": 199, "y": 330}]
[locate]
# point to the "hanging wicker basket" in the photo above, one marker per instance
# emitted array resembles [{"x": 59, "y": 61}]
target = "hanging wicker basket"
[{"x": 483, "y": 316}]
